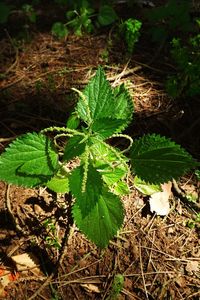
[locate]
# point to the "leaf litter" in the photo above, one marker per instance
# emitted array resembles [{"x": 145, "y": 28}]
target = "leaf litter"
[{"x": 159, "y": 202}]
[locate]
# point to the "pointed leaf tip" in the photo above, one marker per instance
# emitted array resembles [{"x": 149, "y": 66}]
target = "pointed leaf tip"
[{"x": 106, "y": 110}]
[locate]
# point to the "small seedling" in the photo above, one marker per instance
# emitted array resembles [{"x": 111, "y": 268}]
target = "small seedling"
[
  {"x": 29, "y": 12},
  {"x": 186, "y": 81},
  {"x": 130, "y": 30},
  {"x": 193, "y": 223},
  {"x": 88, "y": 167},
  {"x": 83, "y": 18},
  {"x": 116, "y": 287},
  {"x": 51, "y": 239},
  {"x": 59, "y": 30}
]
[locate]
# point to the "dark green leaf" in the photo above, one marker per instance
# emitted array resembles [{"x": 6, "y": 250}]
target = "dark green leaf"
[
  {"x": 106, "y": 15},
  {"x": 86, "y": 200},
  {"x": 98, "y": 99},
  {"x": 156, "y": 159},
  {"x": 59, "y": 30},
  {"x": 74, "y": 147},
  {"x": 121, "y": 115},
  {"x": 123, "y": 108},
  {"x": 106, "y": 127}
]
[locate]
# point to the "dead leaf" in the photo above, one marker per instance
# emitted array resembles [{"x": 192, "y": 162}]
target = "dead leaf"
[
  {"x": 27, "y": 261},
  {"x": 38, "y": 210},
  {"x": 170, "y": 230},
  {"x": 192, "y": 266},
  {"x": 180, "y": 280},
  {"x": 91, "y": 288},
  {"x": 159, "y": 202},
  {"x": 6, "y": 277},
  {"x": 139, "y": 202}
]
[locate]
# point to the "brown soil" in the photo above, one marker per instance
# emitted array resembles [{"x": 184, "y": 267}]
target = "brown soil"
[{"x": 158, "y": 257}]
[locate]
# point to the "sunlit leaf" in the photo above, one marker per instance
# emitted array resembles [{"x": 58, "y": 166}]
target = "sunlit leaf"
[
  {"x": 103, "y": 221},
  {"x": 59, "y": 184},
  {"x": 106, "y": 110},
  {"x": 146, "y": 188},
  {"x": 121, "y": 188},
  {"x": 30, "y": 160},
  {"x": 108, "y": 163}
]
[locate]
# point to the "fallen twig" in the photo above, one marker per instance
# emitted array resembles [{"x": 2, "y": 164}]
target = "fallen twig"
[{"x": 194, "y": 206}]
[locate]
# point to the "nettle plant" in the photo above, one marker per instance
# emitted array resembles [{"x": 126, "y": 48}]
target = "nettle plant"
[
  {"x": 88, "y": 167},
  {"x": 83, "y": 17},
  {"x": 186, "y": 81},
  {"x": 130, "y": 30}
]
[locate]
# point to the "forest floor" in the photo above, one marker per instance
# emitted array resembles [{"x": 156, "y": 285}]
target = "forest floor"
[{"x": 159, "y": 257}]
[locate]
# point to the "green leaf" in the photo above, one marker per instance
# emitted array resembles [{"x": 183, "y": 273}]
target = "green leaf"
[
  {"x": 110, "y": 164},
  {"x": 59, "y": 183},
  {"x": 30, "y": 160},
  {"x": 121, "y": 115},
  {"x": 146, "y": 188},
  {"x": 116, "y": 287},
  {"x": 104, "y": 219},
  {"x": 98, "y": 100},
  {"x": 105, "y": 127},
  {"x": 156, "y": 159},
  {"x": 130, "y": 30},
  {"x": 123, "y": 108},
  {"x": 59, "y": 30},
  {"x": 29, "y": 12},
  {"x": 106, "y": 15},
  {"x": 111, "y": 176},
  {"x": 74, "y": 147},
  {"x": 85, "y": 200},
  {"x": 121, "y": 188},
  {"x": 73, "y": 121},
  {"x": 107, "y": 111},
  {"x": 197, "y": 173}
]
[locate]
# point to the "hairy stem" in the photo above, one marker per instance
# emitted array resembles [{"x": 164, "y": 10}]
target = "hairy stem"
[
  {"x": 58, "y": 136},
  {"x": 62, "y": 129},
  {"x": 126, "y": 137},
  {"x": 85, "y": 173}
]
